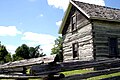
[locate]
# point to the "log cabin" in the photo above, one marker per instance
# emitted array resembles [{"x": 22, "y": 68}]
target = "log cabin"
[{"x": 90, "y": 32}]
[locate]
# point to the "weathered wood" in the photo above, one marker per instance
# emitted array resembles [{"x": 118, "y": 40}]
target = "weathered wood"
[
  {"x": 67, "y": 66},
  {"x": 11, "y": 70},
  {"x": 82, "y": 36},
  {"x": 44, "y": 69},
  {"x": 92, "y": 74},
  {"x": 28, "y": 62},
  {"x": 20, "y": 66},
  {"x": 12, "y": 76}
]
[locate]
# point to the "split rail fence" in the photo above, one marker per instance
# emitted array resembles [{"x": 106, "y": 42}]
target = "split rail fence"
[{"x": 44, "y": 67}]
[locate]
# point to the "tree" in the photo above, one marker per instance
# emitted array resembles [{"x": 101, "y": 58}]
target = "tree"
[
  {"x": 36, "y": 52},
  {"x": 8, "y": 57},
  {"x": 3, "y": 54},
  {"x": 23, "y": 51},
  {"x": 57, "y": 46},
  {"x": 57, "y": 49},
  {"x": 16, "y": 57}
]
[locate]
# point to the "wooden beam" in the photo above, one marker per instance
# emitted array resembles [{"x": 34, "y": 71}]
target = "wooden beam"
[
  {"x": 92, "y": 74},
  {"x": 68, "y": 66}
]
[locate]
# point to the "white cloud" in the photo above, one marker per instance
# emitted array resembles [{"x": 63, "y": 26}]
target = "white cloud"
[
  {"x": 47, "y": 48},
  {"x": 9, "y": 31},
  {"x": 58, "y": 23},
  {"x": 97, "y": 2},
  {"x": 62, "y": 4},
  {"x": 45, "y": 40},
  {"x": 11, "y": 48},
  {"x": 40, "y": 15}
]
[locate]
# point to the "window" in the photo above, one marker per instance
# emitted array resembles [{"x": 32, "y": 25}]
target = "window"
[
  {"x": 113, "y": 47},
  {"x": 75, "y": 50},
  {"x": 74, "y": 23}
]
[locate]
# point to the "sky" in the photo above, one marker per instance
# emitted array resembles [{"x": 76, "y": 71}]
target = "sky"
[{"x": 35, "y": 22}]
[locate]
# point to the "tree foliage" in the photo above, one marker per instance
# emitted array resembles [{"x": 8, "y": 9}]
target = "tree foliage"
[
  {"x": 57, "y": 46},
  {"x": 4, "y": 54},
  {"x": 25, "y": 52},
  {"x": 16, "y": 57},
  {"x": 57, "y": 49},
  {"x": 36, "y": 52},
  {"x": 8, "y": 57}
]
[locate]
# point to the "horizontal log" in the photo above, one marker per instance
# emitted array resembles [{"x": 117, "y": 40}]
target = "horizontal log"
[
  {"x": 67, "y": 50},
  {"x": 27, "y": 62},
  {"x": 112, "y": 78},
  {"x": 92, "y": 74},
  {"x": 101, "y": 48},
  {"x": 104, "y": 55},
  {"x": 101, "y": 38},
  {"x": 12, "y": 76},
  {"x": 101, "y": 53},
  {"x": 73, "y": 65},
  {"x": 100, "y": 35},
  {"x": 11, "y": 70},
  {"x": 72, "y": 77},
  {"x": 68, "y": 54},
  {"x": 100, "y": 41},
  {"x": 105, "y": 34}
]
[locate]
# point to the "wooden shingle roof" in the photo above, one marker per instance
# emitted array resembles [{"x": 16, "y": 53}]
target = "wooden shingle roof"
[
  {"x": 97, "y": 11},
  {"x": 92, "y": 11}
]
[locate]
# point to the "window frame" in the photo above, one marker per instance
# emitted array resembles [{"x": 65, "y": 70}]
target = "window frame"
[
  {"x": 111, "y": 46},
  {"x": 74, "y": 22},
  {"x": 75, "y": 50}
]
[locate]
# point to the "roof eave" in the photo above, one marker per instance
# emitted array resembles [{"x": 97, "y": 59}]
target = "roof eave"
[
  {"x": 67, "y": 13},
  {"x": 104, "y": 19},
  {"x": 65, "y": 18},
  {"x": 80, "y": 9}
]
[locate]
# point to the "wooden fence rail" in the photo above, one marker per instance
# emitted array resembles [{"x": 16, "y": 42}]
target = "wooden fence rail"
[
  {"x": 68, "y": 66},
  {"x": 42, "y": 70},
  {"x": 92, "y": 74}
]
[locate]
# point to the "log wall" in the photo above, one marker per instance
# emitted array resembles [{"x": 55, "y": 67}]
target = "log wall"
[
  {"x": 82, "y": 36},
  {"x": 102, "y": 31}
]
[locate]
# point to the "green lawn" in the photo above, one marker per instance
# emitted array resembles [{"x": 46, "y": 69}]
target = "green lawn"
[
  {"x": 68, "y": 73},
  {"x": 104, "y": 76}
]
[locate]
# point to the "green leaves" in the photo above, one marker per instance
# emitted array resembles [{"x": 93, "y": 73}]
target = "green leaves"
[
  {"x": 22, "y": 52},
  {"x": 25, "y": 52},
  {"x": 57, "y": 49},
  {"x": 4, "y": 55},
  {"x": 57, "y": 46}
]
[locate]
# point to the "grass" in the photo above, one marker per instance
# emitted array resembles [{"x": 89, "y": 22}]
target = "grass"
[
  {"x": 7, "y": 79},
  {"x": 68, "y": 73},
  {"x": 104, "y": 76}
]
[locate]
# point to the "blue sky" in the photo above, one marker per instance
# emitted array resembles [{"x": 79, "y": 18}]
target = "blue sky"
[{"x": 35, "y": 22}]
